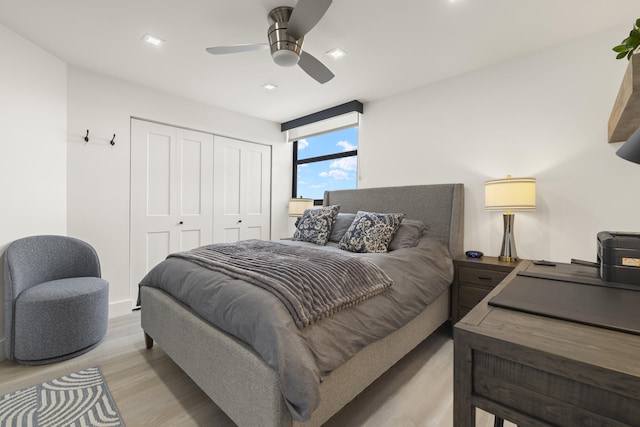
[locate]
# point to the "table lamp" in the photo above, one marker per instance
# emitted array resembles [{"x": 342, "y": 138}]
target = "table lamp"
[
  {"x": 297, "y": 206},
  {"x": 507, "y": 195},
  {"x": 630, "y": 150}
]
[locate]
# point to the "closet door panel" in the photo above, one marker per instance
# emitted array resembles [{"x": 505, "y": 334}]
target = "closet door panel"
[
  {"x": 195, "y": 196},
  {"x": 254, "y": 183},
  {"x": 231, "y": 175},
  {"x": 242, "y": 190},
  {"x": 190, "y": 239},
  {"x": 257, "y": 219},
  {"x": 158, "y": 246},
  {"x": 191, "y": 180},
  {"x": 171, "y": 206},
  {"x": 158, "y": 164}
]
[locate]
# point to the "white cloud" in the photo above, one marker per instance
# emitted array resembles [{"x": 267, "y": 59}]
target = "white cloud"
[
  {"x": 345, "y": 164},
  {"x": 302, "y": 144},
  {"x": 335, "y": 174},
  {"x": 346, "y": 145}
]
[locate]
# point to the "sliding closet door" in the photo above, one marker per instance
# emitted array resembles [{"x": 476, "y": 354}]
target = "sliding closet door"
[
  {"x": 242, "y": 190},
  {"x": 171, "y": 193}
]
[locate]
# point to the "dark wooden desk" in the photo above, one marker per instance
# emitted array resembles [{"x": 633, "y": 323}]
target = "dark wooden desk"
[{"x": 539, "y": 371}]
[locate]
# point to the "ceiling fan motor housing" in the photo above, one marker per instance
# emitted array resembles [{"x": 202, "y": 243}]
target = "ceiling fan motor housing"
[{"x": 285, "y": 49}]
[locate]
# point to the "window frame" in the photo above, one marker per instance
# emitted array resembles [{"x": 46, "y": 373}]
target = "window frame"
[
  {"x": 331, "y": 120},
  {"x": 296, "y": 163}
]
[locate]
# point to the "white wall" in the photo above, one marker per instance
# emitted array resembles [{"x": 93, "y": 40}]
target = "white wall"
[
  {"x": 32, "y": 145},
  {"x": 542, "y": 115},
  {"x": 98, "y": 173}
]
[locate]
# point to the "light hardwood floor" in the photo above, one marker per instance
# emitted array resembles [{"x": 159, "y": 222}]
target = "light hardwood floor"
[{"x": 149, "y": 389}]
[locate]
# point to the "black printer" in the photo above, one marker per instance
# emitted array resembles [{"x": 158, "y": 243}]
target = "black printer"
[{"x": 619, "y": 257}]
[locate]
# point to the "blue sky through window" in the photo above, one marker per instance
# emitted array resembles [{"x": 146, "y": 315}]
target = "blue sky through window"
[{"x": 315, "y": 178}]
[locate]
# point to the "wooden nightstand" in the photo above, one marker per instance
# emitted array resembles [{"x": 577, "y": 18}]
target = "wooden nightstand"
[{"x": 474, "y": 279}]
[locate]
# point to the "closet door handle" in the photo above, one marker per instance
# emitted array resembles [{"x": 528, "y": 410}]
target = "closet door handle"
[
  {"x": 181, "y": 222},
  {"x": 239, "y": 221}
]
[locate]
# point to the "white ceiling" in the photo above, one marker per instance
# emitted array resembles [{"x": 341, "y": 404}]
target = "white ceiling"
[{"x": 392, "y": 46}]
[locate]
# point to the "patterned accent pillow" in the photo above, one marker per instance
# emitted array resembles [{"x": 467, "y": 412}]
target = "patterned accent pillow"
[
  {"x": 315, "y": 225},
  {"x": 371, "y": 232}
]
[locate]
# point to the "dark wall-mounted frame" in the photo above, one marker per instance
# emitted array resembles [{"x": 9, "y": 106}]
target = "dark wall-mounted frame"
[{"x": 338, "y": 110}]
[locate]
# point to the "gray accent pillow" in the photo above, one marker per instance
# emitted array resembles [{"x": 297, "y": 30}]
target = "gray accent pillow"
[
  {"x": 315, "y": 225},
  {"x": 340, "y": 227},
  {"x": 371, "y": 232},
  {"x": 409, "y": 231}
]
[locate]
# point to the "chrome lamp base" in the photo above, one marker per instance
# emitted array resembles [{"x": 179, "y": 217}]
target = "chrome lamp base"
[{"x": 508, "y": 250}]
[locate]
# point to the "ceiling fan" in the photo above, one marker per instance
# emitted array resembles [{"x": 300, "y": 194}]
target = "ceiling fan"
[{"x": 286, "y": 34}]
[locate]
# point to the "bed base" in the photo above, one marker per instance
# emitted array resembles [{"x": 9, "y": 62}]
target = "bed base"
[{"x": 244, "y": 386}]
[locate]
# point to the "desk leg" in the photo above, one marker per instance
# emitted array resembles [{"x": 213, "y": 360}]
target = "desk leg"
[{"x": 464, "y": 413}]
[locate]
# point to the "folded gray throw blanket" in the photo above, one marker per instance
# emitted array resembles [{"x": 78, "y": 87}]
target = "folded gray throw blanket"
[{"x": 312, "y": 284}]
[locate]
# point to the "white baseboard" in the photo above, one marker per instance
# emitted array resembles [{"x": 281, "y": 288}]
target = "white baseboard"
[{"x": 120, "y": 308}]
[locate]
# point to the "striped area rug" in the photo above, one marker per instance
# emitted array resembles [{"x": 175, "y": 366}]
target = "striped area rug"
[{"x": 78, "y": 399}]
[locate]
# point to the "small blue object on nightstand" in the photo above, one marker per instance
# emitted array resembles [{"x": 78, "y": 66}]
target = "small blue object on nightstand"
[{"x": 474, "y": 254}]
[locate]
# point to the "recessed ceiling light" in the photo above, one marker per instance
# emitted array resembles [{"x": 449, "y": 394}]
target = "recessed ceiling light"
[
  {"x": 337, "y": 53},
  {"x": 152, "y": 40},
  {"x": 269, "y": 86}
]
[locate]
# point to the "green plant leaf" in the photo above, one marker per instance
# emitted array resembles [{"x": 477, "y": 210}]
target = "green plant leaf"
[{"x": 631, "y": 44}]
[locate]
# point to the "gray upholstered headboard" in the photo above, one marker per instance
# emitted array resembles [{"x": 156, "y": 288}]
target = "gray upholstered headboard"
[{"x": 440, "y": 206}]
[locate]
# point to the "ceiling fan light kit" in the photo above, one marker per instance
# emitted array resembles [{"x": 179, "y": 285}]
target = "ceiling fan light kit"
[
  {"x": 287, "y": 29},
  {"x": 285, "y": 58},
  {"x": 285, "y": 49}
]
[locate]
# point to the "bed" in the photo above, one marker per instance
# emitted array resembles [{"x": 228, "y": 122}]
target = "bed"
[{"x": 246, "y": 387}]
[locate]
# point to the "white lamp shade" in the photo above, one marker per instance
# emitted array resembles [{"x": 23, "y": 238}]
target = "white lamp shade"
[
  {"x": 510, "y": 194},
  {"x": 299, "y": 205}
]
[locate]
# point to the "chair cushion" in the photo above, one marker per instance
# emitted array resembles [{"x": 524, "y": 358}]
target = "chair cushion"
[{"x": 60, "y": 317}]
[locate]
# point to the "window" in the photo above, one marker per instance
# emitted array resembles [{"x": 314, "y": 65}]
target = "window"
[
  {"x": 325, "y": 150},
  {"x": 328, "y": 161}
]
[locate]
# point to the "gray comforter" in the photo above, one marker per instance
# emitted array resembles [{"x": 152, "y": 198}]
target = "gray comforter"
[
  {"x": 312, "y": 284},
  {"x": 304, "y": 357}
]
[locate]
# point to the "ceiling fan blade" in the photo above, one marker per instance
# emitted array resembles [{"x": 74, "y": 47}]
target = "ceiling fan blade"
[
  {"x": 305, "y": 16},
  {"x": 236, "y": 48},
  {"x": 315, "y": 68}
]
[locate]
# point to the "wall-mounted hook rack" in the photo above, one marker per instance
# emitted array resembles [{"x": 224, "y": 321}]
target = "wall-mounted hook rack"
[{"x": 112, "y": 142}]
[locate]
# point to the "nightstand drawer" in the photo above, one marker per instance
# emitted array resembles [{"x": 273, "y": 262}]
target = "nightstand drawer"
[
  {"x": 469, "y": 296},
  {"x": 474, "y": 279},
  {"x": 480, "y": 276}
]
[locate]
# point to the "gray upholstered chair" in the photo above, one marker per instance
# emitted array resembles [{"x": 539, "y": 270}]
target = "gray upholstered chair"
[{"x": 55, "y": 303}]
